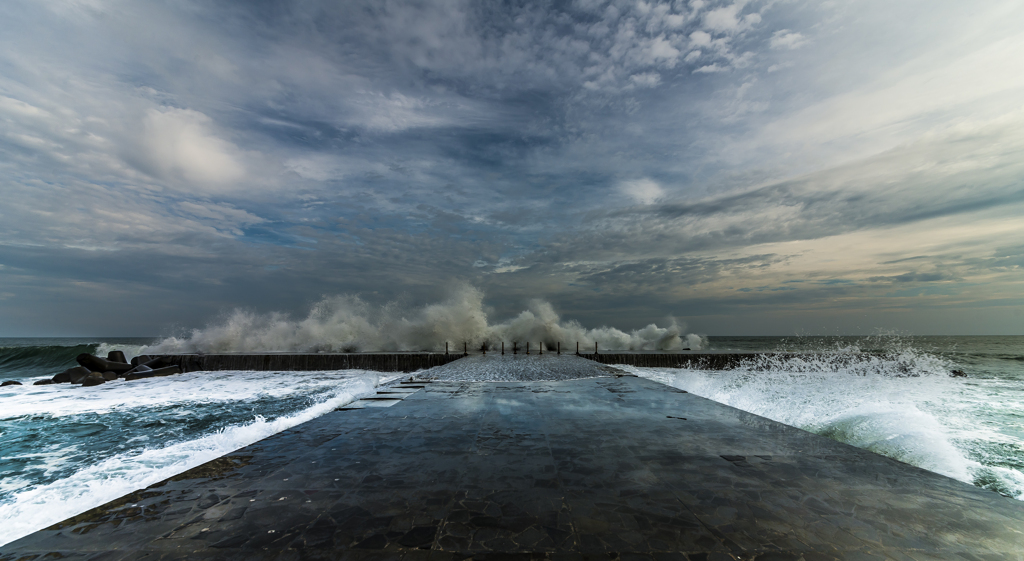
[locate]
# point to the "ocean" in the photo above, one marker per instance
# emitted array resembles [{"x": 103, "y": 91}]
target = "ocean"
[{"x": 64, "y": 449}]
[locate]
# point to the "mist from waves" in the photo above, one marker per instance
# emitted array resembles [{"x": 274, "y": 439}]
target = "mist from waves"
[
  {"x": 65, "y": 449},
  {"x": 901, "y": 403},
  {"x": 349, "y": 324}
]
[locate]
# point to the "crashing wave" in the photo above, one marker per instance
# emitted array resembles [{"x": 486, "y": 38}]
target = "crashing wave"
[{"x": 349, "y": 324}]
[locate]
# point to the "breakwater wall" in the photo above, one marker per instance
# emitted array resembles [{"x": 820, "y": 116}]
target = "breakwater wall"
[
  {"x": 696, "y": 360},
  {"x": 411, "y": 362},
  {"x": 379, "y": 362}
]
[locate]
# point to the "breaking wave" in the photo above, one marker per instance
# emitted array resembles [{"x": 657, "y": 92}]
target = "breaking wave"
[
  {"x": 349, "y": 324},
  {"x": 900, "y": 403}
]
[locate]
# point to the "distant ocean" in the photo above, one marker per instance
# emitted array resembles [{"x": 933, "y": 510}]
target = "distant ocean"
[{"x": 64, "y": 449}]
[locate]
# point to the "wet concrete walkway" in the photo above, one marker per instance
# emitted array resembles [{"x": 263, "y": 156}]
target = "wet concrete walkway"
[{"x": 599, "y": 468}]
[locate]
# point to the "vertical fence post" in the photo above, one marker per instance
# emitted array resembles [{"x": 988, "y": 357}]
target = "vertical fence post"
[
  {"x": 577, "y": 348},
  {"x": 446, "y": 348},
  {"x": 595, "y": 347},
  {"x": 559, "y": 347},
  {"x": 515, "y": 350},
  {"x": 465, "y": 348},
  {"x": 540, "y": 346},
  {"x": 503, "y": 348},
  {"x": 527, "y": 347}
]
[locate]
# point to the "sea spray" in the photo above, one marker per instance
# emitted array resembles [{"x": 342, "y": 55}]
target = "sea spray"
[
  {"x": 349, "y": 324},
  {"x": 66, "y": 450},
  {"x": 899, "y": 402}
]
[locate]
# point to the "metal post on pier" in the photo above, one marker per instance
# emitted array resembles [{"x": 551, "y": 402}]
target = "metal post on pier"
[
  {"x": 559, "y": 347},
  {"x": 465, "y": 349},
  {"x": 502, "y": 348},
  {"x": 540, "y": 346},
  {"x": 577, "y": 348},
  {"x": 514, "y": 349},
  {"x": 446, "y": 348},
  {"x": 527, "y": 347},
  {"x": 595, "y": 347}
]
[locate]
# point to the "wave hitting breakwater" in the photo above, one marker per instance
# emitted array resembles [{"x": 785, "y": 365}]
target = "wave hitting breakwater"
[
  {"x": 901, "y": 403},
  {"x": 65, "y": 448},
  {"x": 349, "y": 324}
]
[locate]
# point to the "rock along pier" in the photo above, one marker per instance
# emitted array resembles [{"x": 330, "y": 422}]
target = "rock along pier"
[{"x": 556, "y": 457}]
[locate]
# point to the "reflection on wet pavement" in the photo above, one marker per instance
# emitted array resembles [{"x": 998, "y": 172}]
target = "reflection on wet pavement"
[{"x": 615, "y": 466}]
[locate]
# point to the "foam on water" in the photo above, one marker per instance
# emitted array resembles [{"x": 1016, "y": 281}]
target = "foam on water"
[
  {"x": 64, "y": 477},
  {"x": 65, "y": 449},
  {"x": 183, "y": 391},
  {"x": 348, "y": 324},
  {"x": 903, "y": 405}
]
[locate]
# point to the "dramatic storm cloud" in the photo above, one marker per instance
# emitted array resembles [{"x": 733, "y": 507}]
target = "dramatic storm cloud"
[{"x": 745, "y": 166}]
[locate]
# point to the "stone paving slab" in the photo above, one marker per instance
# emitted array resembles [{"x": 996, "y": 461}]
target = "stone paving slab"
[{"x": 599, "y": 468}]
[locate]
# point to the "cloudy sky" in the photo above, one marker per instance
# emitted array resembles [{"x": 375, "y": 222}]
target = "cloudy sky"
[{"x": 749, "y": 167}]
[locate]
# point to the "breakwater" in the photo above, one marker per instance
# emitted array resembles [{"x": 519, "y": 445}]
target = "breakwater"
[
  {"x": 698, "y": 360},
  {"x": 379, "y": 362},
  {"x": 411, "y": 362}
]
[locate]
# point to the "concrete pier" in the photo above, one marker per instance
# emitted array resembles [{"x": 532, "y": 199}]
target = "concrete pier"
[{"x": 611, "y": 467}]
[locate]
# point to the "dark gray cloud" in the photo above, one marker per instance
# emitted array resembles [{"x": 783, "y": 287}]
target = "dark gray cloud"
[{"x": 715, "y": 160}]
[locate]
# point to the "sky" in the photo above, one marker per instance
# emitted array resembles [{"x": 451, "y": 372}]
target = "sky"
[{"x": 748, "y": 167}]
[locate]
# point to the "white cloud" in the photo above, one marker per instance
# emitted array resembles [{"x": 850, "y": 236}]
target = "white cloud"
[
  {"x": 644, "y": 191},
  {"x": 181, "y": 144},
  {"x": 660, "y": 50},
  {"x": 221, "y": 216},
  {"x": 395, "y": 112},
  {"x": 674, "y": 21},
  {"x": 727, "y": 19},
  {"x": 18, "y": 107},
  {"x": 710, "y": 69},
  {"x": 902, "y": 103},
  {"x": 700, "y": 38},
  {"x": 786, "y": 39},
  {"x": 646, "y": 80},
  {"x": 318, "y": 167}
]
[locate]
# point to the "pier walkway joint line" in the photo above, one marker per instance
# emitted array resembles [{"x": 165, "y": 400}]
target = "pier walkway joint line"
[{"x": 615, "y": 467}]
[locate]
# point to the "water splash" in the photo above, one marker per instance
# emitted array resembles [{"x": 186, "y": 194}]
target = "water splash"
[
  {"x": 896, "y": 401},
  {"x": 349, "y": 324}
]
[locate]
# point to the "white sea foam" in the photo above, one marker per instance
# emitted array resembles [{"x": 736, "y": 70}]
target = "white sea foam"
[
  {"x": 904, "y": 406},
  {"x": 347, "y": 323},
  {"x": 182, "y": 390},
  {"x": 38, "y": 507}
]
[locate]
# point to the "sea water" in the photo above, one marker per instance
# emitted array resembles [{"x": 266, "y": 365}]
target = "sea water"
[
  {"x": 64, "y": 448},
  {"x": 891, "y": 395}
]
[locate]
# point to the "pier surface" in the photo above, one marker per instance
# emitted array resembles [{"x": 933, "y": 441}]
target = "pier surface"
[{"x": 611, "y": 467}]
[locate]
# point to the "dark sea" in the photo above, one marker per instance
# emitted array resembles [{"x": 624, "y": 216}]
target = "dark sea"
[{"x": 64, "y": 448}]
